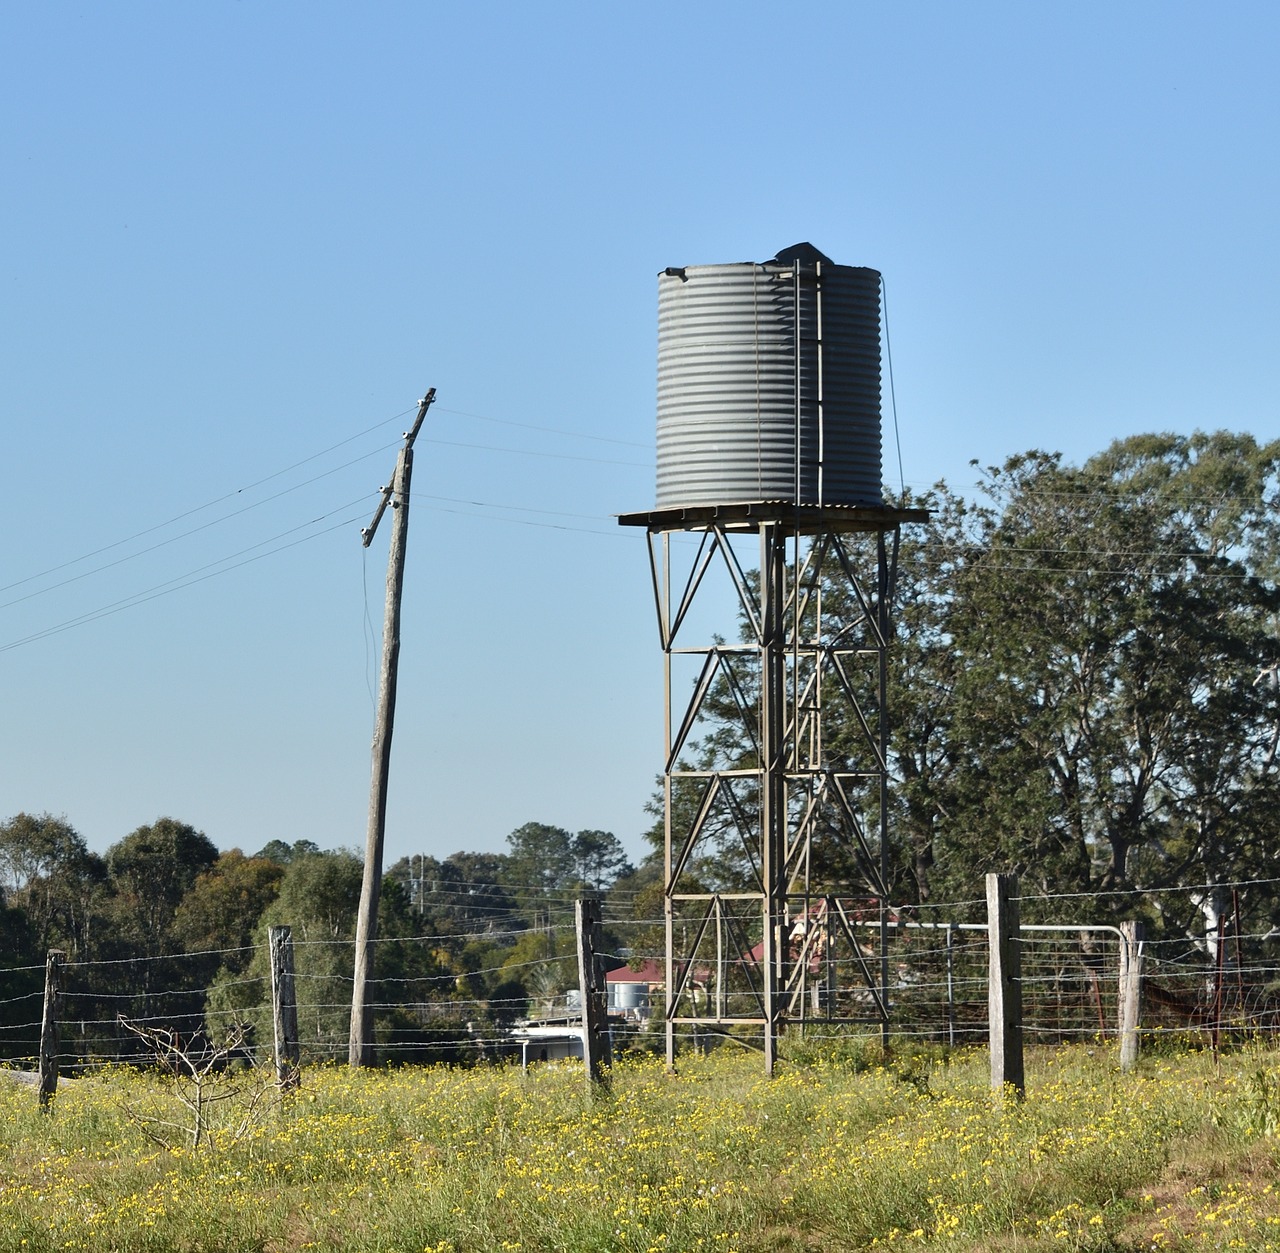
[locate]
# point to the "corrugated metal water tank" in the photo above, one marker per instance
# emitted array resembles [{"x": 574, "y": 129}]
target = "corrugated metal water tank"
[
  {"x": 627, "y": 996},
  {"x": 769, "y": 382}
]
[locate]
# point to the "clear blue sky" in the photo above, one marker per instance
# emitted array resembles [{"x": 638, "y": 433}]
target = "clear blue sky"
[{"x": 236, "y": 236}]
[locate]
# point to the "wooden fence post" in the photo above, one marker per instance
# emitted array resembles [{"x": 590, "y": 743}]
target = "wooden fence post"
[
  {"x": 1130, "y": 998},
  {"x": 1004, "y": 989},
  {"x": 49, "y": 1026},
  {"x": 284, "y": 1009},
  {"x": 951, "y": 985},
  {"x": 595, "y": 1041}
]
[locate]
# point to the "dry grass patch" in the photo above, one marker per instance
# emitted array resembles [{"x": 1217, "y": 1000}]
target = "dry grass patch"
[{"x": 839, "y": 1153}]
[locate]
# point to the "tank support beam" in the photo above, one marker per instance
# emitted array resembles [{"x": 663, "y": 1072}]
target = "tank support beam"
[{"x": 776, "y": 779}]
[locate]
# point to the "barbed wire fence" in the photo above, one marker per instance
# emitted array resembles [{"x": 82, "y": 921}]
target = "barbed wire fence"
[
  {"x": 1213, "y": 986},
  {"x": 419, "y": 1013}
]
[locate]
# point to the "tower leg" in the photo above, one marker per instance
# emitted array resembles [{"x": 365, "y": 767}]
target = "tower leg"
[{"x": 773, "y": 808}]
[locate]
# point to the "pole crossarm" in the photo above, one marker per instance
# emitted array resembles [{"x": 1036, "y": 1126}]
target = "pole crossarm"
[{"x": 368, "y": 532}]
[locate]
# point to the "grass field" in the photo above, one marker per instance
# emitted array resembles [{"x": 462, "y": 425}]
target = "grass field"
[{"x": 833, "y": 1154}]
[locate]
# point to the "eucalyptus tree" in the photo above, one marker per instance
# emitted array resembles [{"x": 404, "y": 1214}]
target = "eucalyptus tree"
[
  {"x": 1114, "y": 627},
  {"x": 1084, "y": 681},
  {"x": 48, "y": 872},
  {"x": 149, "y": 872},
  {"x": 317, "y": 898},
  {"x": 599, "y": 859},
  {"x": 217, "y": 917},
  {"x": 540, "y": 862}
]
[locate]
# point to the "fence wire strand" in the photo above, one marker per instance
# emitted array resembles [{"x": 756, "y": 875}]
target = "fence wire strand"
[{"x": 1212, "y": 984}]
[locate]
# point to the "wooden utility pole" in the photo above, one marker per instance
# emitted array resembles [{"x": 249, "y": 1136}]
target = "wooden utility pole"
[
  {"x": 49, "y": 1026},
  {"x": 396, "y": 493},
  {"x": 1004, "y": 991},
  {"x": 284, "y": 1009}
]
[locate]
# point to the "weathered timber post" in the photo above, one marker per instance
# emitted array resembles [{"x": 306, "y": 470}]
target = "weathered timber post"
[
  {"x": 1218, "y": 967},
  {"x": 595, "y": 1040},
  {"x": 284, "y": 1009},
  {"x": 361, "y": 1051},
  {"x": 49, "y": 1026},
  {"x": 1130, "y": 998},
  {"x": 396, "y": 493},
  {"x": 1004, "y": 988},
  {"x": 951, "y": 985}
]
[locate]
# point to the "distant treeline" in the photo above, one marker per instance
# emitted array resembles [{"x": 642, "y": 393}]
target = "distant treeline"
[{"x": 163, "y": 926}]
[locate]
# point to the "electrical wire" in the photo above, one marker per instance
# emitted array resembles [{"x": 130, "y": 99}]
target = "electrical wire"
[
  {"x": 143, "y": 597},
  {"x": 550, "y": 430},
  {"x": 204, "y": 526},
  {"x": 217, "y": 500},
  {"x": 183, "y": 581}
]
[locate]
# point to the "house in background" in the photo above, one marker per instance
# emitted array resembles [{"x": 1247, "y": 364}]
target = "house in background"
[
  {"x": 631, "y": 997},
  {"x": 632, "y": 993}
]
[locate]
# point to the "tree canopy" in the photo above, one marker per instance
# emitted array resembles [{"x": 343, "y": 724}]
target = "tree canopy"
[{"x": 1111, "y": 637}]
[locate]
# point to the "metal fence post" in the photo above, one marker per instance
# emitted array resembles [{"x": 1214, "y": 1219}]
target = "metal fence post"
[{"x": 1004, "y": 989}]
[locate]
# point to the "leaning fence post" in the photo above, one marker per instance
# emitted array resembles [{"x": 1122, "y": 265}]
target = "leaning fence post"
[
  {"x": 1004, "y": 986},
  {"x": 1130, "y": 998},
  {"x": 595, "y": 1045},
  {"x": 49, "y": 1026},
  {"x": 284, "y": 1008}
]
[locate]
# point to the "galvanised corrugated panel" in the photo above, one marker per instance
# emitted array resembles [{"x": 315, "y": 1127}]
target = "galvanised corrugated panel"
[{"x": 734, "y": 343}]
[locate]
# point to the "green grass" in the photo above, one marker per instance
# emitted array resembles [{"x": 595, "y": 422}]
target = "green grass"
[{"x": 836, "y": 1153}]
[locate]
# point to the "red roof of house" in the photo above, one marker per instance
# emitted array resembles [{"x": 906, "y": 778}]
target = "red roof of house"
[{"x": 651, "y": 972}]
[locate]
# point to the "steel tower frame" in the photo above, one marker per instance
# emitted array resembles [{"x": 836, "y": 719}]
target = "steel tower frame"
[{"x": 787, "y": 947}]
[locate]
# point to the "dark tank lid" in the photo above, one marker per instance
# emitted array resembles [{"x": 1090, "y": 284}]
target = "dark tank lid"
[
  {"x": 798, "y": 254},
  {"x": 802, "y": 254}
]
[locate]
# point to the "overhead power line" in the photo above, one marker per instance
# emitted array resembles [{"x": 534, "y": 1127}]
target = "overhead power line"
[
  {"x": 307, "y": 460},
  {"x": 210, "y": 570},
  {"x": 185, "y": 580},
  {"x": 528, "y": 452},
  {"x": 209, "y": 504},
  {"x": 190, "y": 579},
  {"x": 204, "y": 526},
  {"x": 549, "y": 430}
]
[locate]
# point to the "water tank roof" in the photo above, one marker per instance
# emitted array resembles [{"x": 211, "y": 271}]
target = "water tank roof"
[
  {"x": 801, "y": 254},
  {"x": 804, "y": 254}
]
